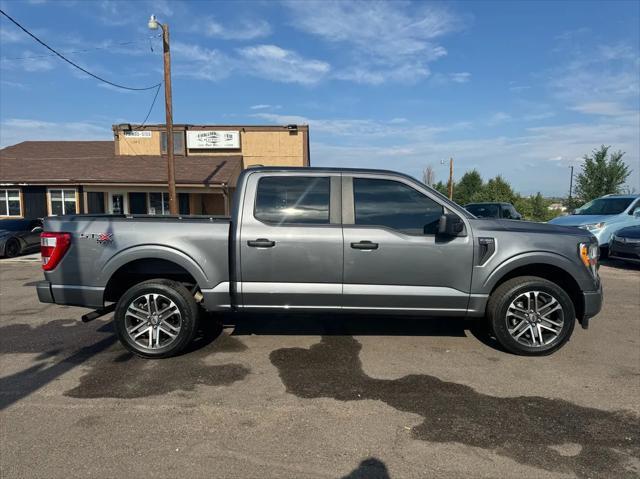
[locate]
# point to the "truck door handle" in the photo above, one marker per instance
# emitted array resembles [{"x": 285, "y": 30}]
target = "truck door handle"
[
  {"x": 364, "y": 245},
  {"x": 261, "y": 243}
]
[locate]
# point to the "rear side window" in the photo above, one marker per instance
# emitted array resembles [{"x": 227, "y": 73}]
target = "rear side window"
[
  {"x": 293, "y": 199},
  {"x": 394, "y": 205}
]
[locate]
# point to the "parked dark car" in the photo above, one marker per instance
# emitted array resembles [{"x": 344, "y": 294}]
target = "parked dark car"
[
  {"x": 19, "y": 236},
  {"x": 625, "y": 244},
  {"x": 493, "y": 210}
]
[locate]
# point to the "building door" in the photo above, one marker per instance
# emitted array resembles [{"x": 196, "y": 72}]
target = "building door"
[
  {"x": 138, "y": 203},
  {"x": 95, "y": 202},
  {"x": 118, "y": 204}
]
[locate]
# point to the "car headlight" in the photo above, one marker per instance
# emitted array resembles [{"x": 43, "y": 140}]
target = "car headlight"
[
  {"x": 589, "y": 253},
  {"x": 593, "y": 226}
]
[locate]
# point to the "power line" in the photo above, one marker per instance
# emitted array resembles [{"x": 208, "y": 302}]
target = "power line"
[
  {"x": 157, "y": 85},
  {"x": 69, "y": 52},
  {"x": 139, "y": 127}
]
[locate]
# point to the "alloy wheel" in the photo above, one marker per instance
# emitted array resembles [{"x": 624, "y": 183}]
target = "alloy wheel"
[
  {"x": 535, "y": 318},
  {"x": 153, "y": 321}
]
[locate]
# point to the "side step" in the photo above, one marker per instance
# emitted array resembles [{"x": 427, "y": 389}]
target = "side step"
[{"x": 98, "y": 312}]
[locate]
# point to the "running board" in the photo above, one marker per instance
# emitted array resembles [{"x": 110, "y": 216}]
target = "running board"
[{"x": 97, "y": 313}]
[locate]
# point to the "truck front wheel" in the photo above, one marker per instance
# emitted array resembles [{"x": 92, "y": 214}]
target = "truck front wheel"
[
  {"x": 156, "y": 318},
  {"x": 531, "y": 316}
]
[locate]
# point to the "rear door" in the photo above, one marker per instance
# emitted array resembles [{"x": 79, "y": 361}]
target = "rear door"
[
  {"x": 291, "y": 241},
  {"x": 393, "y": 259}
]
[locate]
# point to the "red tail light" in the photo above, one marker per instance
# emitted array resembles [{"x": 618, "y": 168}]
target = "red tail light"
[{"x": 53, "y": 247}]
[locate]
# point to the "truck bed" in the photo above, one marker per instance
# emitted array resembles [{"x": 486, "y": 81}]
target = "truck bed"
[{"x": 101, "y": 245}]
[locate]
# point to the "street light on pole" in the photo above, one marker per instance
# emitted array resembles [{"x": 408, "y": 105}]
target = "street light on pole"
[{"x": 171, "y": 167}]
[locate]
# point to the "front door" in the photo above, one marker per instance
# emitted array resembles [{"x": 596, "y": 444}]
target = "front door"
[
  {"x": 393, "y": 259},
  {"x": 138, "y": 203},
  {"x": 118, "y": 204},
  {"x": 291, "y": 241}
]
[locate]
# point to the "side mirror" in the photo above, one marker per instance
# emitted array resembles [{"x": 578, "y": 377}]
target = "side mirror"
[
  {"x": 636, "y": 212},
  {"x": 451, "y": 225}
]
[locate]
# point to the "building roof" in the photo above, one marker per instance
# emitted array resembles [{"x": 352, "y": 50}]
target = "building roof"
[{"x": 78, "y": 162}]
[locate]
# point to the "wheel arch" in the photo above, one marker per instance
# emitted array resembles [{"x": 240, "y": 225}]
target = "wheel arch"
[
  {"x": 139, "y": 264},
  {"x": 546, "y": 270}
]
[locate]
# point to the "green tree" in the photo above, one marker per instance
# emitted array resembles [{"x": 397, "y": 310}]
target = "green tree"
[
  {"x": 602, "y": 174},
  {"x": 470, "y": 184},
  {"x": 496, "y": 189},
  {"x": 442, "y": 188}
]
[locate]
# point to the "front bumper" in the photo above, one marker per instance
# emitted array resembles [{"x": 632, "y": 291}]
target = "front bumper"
[{"x": 592, "y": 302}]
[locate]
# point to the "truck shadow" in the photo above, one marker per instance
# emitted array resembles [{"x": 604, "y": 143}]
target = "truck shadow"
[
  {"x": 551, "y": 434},
  {"x": 353, "y": 324},
  {"x": 111, "y": 371}
]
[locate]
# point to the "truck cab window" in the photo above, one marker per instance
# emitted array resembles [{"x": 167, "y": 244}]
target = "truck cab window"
[
  {"x": 293, "y": 199},
  {"x": 394, "y": 205}
]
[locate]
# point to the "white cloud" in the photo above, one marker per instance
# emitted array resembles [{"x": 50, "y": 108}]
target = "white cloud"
[
  {"x": 265, "y": 107},
  {"x": 535, "y": 160},
  {"x": 28, "y": 61},
  {"x": 599, "y": 81},
  {"x": 244, "y": 29},
  {"x": 461, "y": 77},
  {"x": 194, "y": 61},
  {"x": 265, "y": 61},
  {"x": 498, "y": 118},
  {"x": 16, "y": 130},
  {"x": 277, "y": 64},
  {"x": 607, "y": 108},
  {"x": 386, "y": 41}
]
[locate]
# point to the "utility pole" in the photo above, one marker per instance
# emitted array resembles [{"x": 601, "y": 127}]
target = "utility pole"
[
  {"x": 570, "y": 184},
  {"x": 168, "y": 105},
  {"x": 451, "y": 178}
]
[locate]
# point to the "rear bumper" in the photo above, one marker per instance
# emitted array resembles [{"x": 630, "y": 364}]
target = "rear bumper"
[
  {"x": 86, "y": 296},
  {"x": 44, "y": 292}
]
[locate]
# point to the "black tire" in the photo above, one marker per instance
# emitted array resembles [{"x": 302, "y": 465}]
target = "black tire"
[
  {"x": 12, "y": 248},
  {"x": 604, "y": 252},
  {"x": 506, "y": 293},
  {"x": 185, "y": 304}
]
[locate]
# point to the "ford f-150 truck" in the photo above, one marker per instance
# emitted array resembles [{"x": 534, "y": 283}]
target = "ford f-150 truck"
[{"x": 324, "y": 240}]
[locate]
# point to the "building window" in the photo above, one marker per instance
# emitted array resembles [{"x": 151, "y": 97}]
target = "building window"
[
  {"x": 10, "y": 203},
  {"x": 158, "y": 203},
  {"x": 63, "y": 202},
  {"x": 178, "y": 142}
]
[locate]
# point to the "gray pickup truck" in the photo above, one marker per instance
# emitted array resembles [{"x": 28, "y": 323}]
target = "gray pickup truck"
[{"x": 325, "y": 240}]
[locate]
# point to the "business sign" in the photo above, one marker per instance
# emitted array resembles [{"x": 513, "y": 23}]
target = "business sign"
[
  {"x": 137, "y": 134},
  {"x": 210, "y": 139}
]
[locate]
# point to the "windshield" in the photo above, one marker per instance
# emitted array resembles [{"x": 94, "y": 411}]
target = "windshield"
[
  {"x": 605, "y": 206},
  {"x": 484, "y": 211}
]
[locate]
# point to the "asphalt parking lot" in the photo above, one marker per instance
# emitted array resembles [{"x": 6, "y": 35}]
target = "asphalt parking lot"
[{"x": 316, "y": 397}]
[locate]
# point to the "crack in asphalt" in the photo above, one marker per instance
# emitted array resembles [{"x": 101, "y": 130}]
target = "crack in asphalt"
[{"x": 531, "y": 430}]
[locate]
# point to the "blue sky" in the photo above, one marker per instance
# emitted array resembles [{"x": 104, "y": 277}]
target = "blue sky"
[{"x": 522, "y": 89}]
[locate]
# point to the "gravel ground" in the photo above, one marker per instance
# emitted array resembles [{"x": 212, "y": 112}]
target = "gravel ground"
[{"x": 316, "y": 396}]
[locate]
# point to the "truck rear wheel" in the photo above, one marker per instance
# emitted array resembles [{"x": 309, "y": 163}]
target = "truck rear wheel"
[
  {"x": 531, "y": 316},
  {"x": 156, "y": 318}
]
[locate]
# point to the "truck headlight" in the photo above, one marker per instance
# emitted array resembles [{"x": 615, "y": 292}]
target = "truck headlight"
[
  {"x": 593, "y": 226},
  {"x": 589, "y": 253}
]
